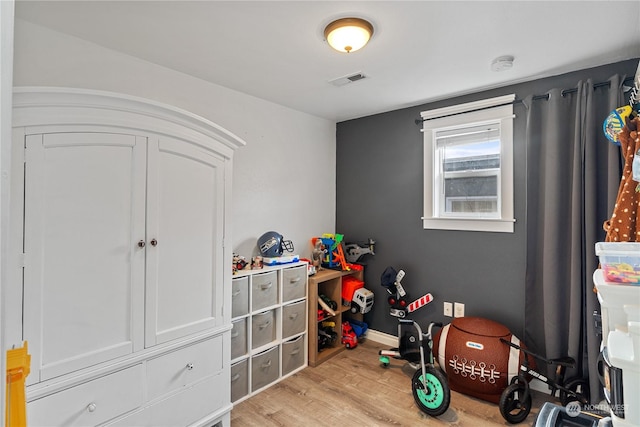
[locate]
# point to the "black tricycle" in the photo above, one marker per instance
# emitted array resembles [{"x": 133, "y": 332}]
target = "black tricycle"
[
  {"x": 515, "y": 400},
  {"x": 429, "y": 384}
]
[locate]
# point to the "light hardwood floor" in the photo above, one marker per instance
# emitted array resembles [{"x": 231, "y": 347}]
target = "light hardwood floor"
[{"x": 353, "y": 389}]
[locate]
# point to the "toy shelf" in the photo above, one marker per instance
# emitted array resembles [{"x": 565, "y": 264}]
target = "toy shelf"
[{"x": 326, "y": 282}]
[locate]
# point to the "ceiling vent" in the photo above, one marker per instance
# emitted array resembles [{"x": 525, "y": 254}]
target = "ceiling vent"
[{"x": 341, "y": 81}]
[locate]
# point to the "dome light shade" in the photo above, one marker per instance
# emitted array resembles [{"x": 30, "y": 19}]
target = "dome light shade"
[{"x": 348, "y": 34}]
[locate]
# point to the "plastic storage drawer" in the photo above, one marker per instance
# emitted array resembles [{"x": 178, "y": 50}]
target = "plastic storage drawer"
[
  {"x": 238, "y": 338},
  {"x": 293, "y": 318},
  {"x": 265, "y": 368},
  {"x": 239, "y": 296},
  {"x": 263, "y": 329},
  {"x": 239, "y": 380},
  {"x": 293, "y": 355},
  {"x": 264, "y": 290},
  {"x": 294, "y": 283}
]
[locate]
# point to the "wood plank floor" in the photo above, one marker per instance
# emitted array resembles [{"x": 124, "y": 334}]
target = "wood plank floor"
[{"x": 354, "y": 389}]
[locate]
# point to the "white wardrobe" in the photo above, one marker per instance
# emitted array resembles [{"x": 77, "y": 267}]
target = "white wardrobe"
[{"x": 120, "y": 233}]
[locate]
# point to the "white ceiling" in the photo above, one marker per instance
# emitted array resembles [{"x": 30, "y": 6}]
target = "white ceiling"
[{"x": 421, "y": 51}]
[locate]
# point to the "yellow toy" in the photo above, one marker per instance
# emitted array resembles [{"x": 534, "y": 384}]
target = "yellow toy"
[{"x": 18, "y": 368}]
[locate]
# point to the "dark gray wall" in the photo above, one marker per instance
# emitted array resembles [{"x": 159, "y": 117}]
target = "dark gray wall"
[{"x": 379, "y": 194}]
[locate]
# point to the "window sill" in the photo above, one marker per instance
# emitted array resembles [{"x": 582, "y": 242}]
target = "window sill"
[{"x": 466, "y": 224}]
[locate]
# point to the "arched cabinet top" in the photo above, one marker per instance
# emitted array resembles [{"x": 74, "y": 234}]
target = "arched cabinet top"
[{"x": 37, "y": 108}]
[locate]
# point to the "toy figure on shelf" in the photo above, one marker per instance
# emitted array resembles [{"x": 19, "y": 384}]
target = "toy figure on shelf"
[
  {"x": 239, "y": 263},
  {"x": 256, "y": 262},
  {"x": 318, "y": 254}
]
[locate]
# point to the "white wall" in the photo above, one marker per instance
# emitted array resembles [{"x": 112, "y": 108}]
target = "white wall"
[
  {"x": 6, "y": 76},
  {"x": 284, "y": 179}
]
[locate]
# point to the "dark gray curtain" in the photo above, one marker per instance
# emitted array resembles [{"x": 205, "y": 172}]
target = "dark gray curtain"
[{"x": 573, "y": 174}]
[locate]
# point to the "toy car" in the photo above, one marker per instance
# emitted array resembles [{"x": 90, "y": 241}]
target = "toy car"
[
  {"x": 326, "y": 338},
  {"x": 349, "y": 338},
  {"x": 331, "y": 303},
  {"x": 362, "y": 301}
]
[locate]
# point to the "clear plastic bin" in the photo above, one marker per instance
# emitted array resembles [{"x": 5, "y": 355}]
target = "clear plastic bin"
[{"x": 620, "y": 262}]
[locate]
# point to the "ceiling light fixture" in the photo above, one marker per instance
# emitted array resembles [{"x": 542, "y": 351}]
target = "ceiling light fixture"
[{"x": 348, "y": 34}]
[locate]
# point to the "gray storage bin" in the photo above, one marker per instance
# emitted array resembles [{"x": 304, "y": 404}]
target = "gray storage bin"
[
  {"x": 239, "y": 296},
  {"x": 238, "y": 338},
  {"x": 239, "y": 380},
  {"x": 264, "y": 290},
  {"x": 293, "y": 354},
  {"x": 263, "y": 329},
  {"x": 293, "y": 318},
  {"x": 294, "y": 283},
  {"x": 265, "y": 368}
]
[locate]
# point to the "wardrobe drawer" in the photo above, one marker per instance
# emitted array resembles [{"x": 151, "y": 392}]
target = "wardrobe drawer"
[
  {"x": 264, "y": 290},
  {"x": 90, "y": 403},
  {"x": 182, "y": 367},
  {"x": 239, "y": 296},
  {"x": 263, "y": 329},
  {"x": 293, "y": 354},
  {"x": 294, "y": 320},
  {"x": 239, "y": 380},
  {"x": 294, "y": 283},
  {"x": 265, "y": 368},
  {"x": 190, "y": 405},
  {"x": 238, "y": 338}
]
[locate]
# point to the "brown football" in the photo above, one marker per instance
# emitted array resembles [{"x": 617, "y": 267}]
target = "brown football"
[{"x": 476, "y": 362}]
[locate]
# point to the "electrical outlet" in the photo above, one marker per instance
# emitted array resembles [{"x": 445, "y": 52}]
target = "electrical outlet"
[
  {"x": 448, "y": 309},
  {"x": 458, "y": 309}
]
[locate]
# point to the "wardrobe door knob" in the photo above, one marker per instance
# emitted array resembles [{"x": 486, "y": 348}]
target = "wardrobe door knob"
[
  {"x": 154, "y": 242},
  {"x": 91, "y": 407},
  {"x": 141, "y": 244}
]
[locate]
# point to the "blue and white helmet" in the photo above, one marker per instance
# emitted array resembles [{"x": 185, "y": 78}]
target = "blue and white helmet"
[{"x": 272, "y": 244}]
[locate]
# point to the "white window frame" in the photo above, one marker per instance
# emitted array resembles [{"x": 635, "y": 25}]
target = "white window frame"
[{"x": 494, "y": 110}]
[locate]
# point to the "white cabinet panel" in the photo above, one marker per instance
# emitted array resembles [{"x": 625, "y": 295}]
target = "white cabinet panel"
[
  {"x": 84, "y": 210},
  {"x": 185, "y": 194}
]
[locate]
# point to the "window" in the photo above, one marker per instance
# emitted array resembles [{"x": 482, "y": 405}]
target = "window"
[{"x": 468, "y": 166}]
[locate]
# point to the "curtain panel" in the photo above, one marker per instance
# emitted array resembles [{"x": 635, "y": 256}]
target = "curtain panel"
[{"x": 573, "y": 174}]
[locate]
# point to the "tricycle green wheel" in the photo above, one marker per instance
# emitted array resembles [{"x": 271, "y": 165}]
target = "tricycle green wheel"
[
  {"x": 431, "y": 391},
  {"x": 385, "y": 361}
]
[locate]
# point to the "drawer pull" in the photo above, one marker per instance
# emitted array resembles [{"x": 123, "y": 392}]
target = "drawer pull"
[
  {"x": 235, "y": 378},
  {"x": 266, "y": 365},
  {"x": 264, "y": 325},
  {"x": 294, "y": 280},
  {"x": 235, "y": 293},
  {"x": 189, "y": 366},
  {"x": 91, "y": 407},
  {"x": 266, "y": 286},
  {"x": 235, "y": 334},
  {"x": 294, "y": 352},
  {"x": 293, "y": 316}
]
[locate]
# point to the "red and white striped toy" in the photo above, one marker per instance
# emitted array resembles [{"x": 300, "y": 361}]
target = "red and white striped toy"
[{"x": 420, "y": 302}]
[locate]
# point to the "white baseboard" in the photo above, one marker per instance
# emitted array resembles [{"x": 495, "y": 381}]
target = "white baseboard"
[
  {"x": 392, "y": 341},
  {"x": 382, "y": 338}
]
